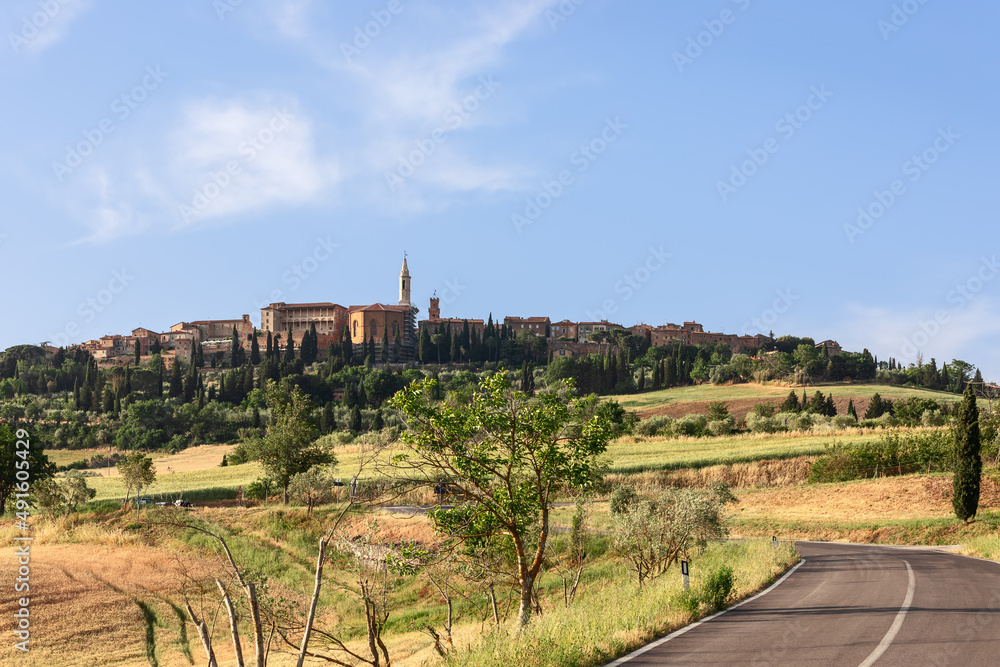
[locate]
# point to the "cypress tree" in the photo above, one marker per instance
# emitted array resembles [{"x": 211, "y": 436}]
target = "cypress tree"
[
  {"x": 831, "y": 407},
  {"x": 851, "y": 410},
  {"x": 424, "y": 348},
  {"x": 270, "y": 349},
  {"x": 346, "y": 346},
  {"x": 642, "y": 379},
  {"x": 290, "y": 347},
  {"x": 968, "y": 464},
  {"x": 385, "y": 345},
  {"x": 138, "y": 351},
  {"x": 354, "y": 423},
  {"x": 791, "y": 403},
  {"x": 379, "y": 422},
  {"x": 455, "y": 350},
  {"x": 254, "y": 349},
  {"x": 175, "y": 379}
]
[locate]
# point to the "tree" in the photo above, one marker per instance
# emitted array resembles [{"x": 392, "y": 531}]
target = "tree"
[
  {"x": 851, "y": 410},
  {"x": 255, "y": 348},
  {"x": 312, "y": 487},
  {"x": 138, "y": 352},
  {"x": 653, "y": 534},
  {"x": 289, "y": 444},
  {"x": 20, "y": 461},
  {"x": 136, "y": 470},
  {"x": 176, "y": 379},
  {"x": 437, "y": 339},
  {"x": 424, "y": 346},
  {"x": 290, "y": 347},
  {"x": 968, "y": 463},
  {"x": 502, "y": 457},
  {"x": 791, "y": 403}
]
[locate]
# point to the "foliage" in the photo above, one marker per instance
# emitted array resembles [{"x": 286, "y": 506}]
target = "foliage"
[
  {"x": 653, "y": 534},
  {"x": 14, "y": 460},
  {"x": 968, "y": 464},
  {"x": 312, "y": 487},
  {"x": 289, "y": 445},
  {"x": 718, "y": 587},
  {"x": 503, "y": 456},
  {"x": 137, "y": 471},
  {"x": 894, "y": 453}
]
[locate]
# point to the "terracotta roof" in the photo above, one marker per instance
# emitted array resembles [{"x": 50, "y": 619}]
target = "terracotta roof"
[
  {"x": 289, "y": 306},
  {"x": 379, "y": 307},
  {"x": 452, "y": 320},
  {"x": 526, "y": 319},
  {"x": 605, "y": 323}
]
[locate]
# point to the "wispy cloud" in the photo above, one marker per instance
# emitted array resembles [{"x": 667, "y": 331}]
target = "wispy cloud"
[
  {"x": 222, "y": 158},
  {"x": 38, "y": 25}
]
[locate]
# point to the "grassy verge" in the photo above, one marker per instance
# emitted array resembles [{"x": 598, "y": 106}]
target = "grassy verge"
[{"x": 617, "y": 617}]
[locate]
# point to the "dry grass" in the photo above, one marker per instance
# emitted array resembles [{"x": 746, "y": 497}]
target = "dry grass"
[{"x": 754, "y": 474}]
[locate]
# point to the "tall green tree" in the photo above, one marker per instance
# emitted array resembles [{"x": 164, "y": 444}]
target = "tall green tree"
[
  {"x": 254, "y": 348},
  {"x": 30, "y": 461},
  {"x": 385, "y": 345},
  {"x": 290, "y": 347},
  {"x": 503, "y": 456},
  {"x": 289, "y": 445},
  {"x": 968, "y": 463}
]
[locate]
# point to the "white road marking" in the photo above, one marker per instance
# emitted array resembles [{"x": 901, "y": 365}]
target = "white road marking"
[
  {"x": 677, "y": 633},
  {"x": 896, "y": 624}
]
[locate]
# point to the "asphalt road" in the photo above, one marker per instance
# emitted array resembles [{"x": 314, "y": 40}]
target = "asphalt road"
[{"x": 853, "y": 605}]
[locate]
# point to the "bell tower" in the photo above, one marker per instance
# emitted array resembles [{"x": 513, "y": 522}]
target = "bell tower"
[{"x": 404, "y": 284}]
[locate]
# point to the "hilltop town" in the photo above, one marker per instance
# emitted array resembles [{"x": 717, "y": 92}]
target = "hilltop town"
[{"x": 396, "y": 325}]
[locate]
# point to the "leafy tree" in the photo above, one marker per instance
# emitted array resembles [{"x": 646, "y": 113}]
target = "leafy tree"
[
  {"x": 137, "y": 471},
  {"x": 503, "y": 456},
  {"x": 289, "y": 444},
  {"x": 968, "y": 463},
  {"x": 31, "y": 462},
  {"x": 653, "y": 534},
  {"x": 312, "y": 487}
]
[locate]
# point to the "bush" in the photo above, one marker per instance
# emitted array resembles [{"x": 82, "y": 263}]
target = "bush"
[
  {"x": 763, "y": 424},
  {"x": 893, "y": 454},
  {"x": 622, "y": 499},
  {"x": 691, "y": 425},
  {"x": 660, "y": 425},
  {"x": 721, "y": 427},
  {"x": 718, "y": 587}
]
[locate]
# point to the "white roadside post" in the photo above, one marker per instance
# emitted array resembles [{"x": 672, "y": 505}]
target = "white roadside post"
[{"x": 684, "y": 575}]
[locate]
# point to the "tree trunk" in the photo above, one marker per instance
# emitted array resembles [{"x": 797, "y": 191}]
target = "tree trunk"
[
  {"x": 206, "y": 639},
  {"x": 233, "y": 627},
  {"x": 258, "y": 631},
  {"x": 315, "y": 599},
  {"x": 524, "y": 612},
  {"x": 493, "y": 603}
]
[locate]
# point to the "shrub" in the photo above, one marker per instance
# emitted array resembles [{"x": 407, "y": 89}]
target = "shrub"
[
  {"x": 718, "y": 587},
  {"x": 660, "y": 425},
  {"x": 721, "y": 427},
  {"x": 692, "y": 425}
]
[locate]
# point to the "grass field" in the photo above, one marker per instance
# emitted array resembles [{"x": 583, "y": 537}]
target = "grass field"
[
  {"x": 636, "y": 454},
  {"x": 742, "y": 397}
]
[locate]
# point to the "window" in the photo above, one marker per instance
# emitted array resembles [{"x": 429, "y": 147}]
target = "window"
[{"x": 355, "y": 328}]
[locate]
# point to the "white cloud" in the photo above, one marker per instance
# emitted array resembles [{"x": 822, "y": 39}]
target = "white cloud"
[
  {"x": 39, "y": 25},
  {"x": 233, "y": 156},
  {"x": 222, "y": 158},
  {"x": 944, "y": 332}
]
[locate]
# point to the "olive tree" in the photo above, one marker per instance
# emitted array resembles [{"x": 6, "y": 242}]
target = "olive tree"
[{"x": 502, "y": 457}]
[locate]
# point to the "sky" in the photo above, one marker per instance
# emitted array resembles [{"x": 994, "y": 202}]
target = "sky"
[{"x": 812, "y": 169}]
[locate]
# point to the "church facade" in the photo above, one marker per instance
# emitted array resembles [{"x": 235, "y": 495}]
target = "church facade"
[{"x": 379, "y": 322}]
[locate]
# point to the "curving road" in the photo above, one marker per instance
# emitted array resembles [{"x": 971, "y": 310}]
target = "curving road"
[{"x": 849, "y": 604}]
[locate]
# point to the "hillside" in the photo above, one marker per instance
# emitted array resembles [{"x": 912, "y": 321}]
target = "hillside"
[{"x": 741, "y": 398}]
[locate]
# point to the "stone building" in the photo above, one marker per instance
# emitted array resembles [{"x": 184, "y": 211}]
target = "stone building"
[
  {"x": 538, "y": 326},
  {"x": 329, "y": 318},
  {"x": 372, "y": 322},
  {"x": 435, "y": 323}
]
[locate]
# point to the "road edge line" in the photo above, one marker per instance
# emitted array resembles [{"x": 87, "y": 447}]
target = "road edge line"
[
  {"x": 677, "y": 633},
  {"x": 897, "y": 623}
]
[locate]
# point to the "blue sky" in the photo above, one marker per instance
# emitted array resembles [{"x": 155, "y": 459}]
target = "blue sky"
[{"x": 816, "y": 169}]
